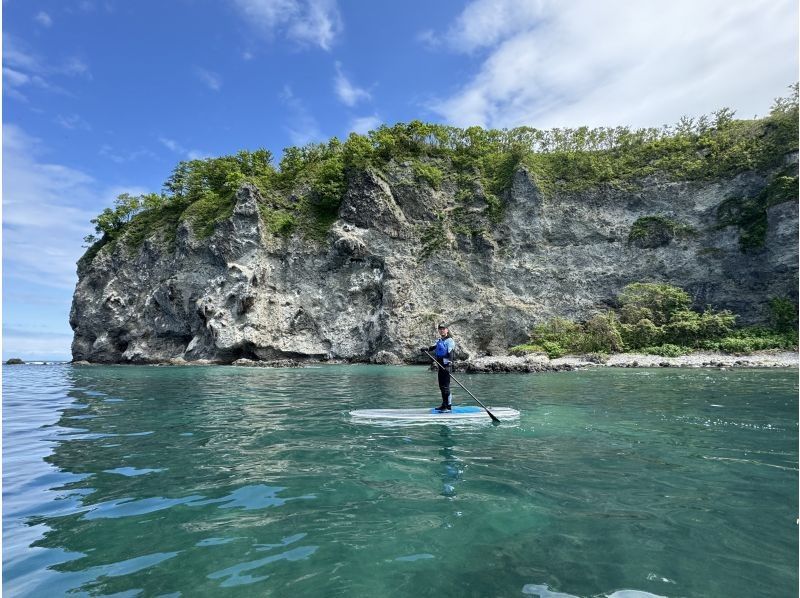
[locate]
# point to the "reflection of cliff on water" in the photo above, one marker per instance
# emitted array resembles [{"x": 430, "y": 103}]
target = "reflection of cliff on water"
[{"x": 168, "y": 457}]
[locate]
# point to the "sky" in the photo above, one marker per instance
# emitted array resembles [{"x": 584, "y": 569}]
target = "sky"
[{"x": 102, "y": 97}]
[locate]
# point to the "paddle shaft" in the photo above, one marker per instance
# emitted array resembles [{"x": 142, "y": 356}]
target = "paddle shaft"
[{"x": 464, "y": 387}]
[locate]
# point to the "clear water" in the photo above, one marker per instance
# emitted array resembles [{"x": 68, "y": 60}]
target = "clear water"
[{"x": 217, "y": 481}]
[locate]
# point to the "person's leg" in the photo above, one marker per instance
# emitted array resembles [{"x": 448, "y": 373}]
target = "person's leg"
[{"x": 444, "y": 387}]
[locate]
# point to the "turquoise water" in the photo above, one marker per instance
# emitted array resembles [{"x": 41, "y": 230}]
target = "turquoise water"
[{"x": 221, "y": 481}]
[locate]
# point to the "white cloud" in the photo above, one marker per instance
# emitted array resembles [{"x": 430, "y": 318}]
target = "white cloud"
[
  {"x": 76, "y": 67},
  {"x": 428, "y": 38},
  {"x": 364, "y": 124},
  {"x": 72, "y": 122},
  {"x": 44, "y": 213},
  {"x": 348, "y": 93},
  {"x": 23, "y": 69},
  {"x": 172, "y": 145},
  {"x": 33, "y": 347},
  {"x": 485, "y": 22},
  {"x": 17, "y": 56},
  {"x": 43, "y": 19},
  {"x": 188, "y": 154},
  {"x": 121, "y": 157},
  {"x": 15, "y": 78},
  {"x": 210, "y": 79},
  {"x": 302, "y": 126},
  {"x": 314, "y": 22},
  {"x": 549, "y": 64}
]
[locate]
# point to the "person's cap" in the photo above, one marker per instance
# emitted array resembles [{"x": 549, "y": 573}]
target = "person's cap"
[{"x": 442, "y": 325}]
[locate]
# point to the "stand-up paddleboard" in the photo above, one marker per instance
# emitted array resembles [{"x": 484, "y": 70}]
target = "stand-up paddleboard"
[{"x": 458, "y": 414}]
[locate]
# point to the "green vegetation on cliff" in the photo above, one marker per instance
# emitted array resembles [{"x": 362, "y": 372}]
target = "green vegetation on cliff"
[
  {"x": 657, "y": 231},
  {"x": 657, "y": 319},
  {"x": 303, "y": 193}
]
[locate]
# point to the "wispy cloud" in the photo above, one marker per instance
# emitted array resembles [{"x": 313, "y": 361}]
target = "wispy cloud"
[
  {"x": 301, "y": 126},
  {"x": 23, "y": 69},
  {"x": 17, "y": 56},
  {"x": 124, "y": 156},
  {"x": 44, "y": 213},
  {"x": 308, "y": 22},
  {"x": 364, "y": 124},
  {"x": 43, "y": 19},
  {"x": 185, "y": 153},
  {"x": 76, "y": 67},
  {"x": 551, "y": 63},
  {"x": 49, "y": 346},
  {"x": 348, "y": 93},
  {"x": 72, "y": 122},
  {"x": 210, "y": 79}
]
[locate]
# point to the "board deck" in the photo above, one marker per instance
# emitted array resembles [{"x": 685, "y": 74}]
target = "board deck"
[{"x": 466, "y": 413}]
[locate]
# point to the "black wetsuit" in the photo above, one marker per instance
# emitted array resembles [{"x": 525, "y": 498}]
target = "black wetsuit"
[{"x": 444, "y": 350}]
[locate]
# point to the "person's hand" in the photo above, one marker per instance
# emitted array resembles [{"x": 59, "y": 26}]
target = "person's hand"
[{"x": 423, "y": 349}]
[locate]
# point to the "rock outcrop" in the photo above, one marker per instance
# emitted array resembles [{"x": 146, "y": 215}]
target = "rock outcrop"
[{"x": 373, "y": 290}]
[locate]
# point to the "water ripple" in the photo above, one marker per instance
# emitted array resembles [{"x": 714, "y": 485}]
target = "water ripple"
[{"x": 201, "y": 481}]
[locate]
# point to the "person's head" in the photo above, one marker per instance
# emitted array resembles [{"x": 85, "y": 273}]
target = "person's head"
[{"x": 443, "y": 330}]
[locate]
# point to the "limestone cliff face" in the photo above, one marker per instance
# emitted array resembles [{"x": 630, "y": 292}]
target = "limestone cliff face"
[{"x": 389, "y": 270}]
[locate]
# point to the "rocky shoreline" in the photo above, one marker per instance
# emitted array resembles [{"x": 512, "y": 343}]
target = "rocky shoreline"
[
  {"x": 541, "y": 363},
  {"x": 538, "y": 363}
]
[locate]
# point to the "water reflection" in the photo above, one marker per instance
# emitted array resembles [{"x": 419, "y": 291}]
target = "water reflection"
[
  {"x": 159, "y": 481},
  {"x": 450, "y": 463}
]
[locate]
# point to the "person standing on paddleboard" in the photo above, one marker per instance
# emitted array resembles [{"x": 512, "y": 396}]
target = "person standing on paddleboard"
[{"x": 444, "y": 352}]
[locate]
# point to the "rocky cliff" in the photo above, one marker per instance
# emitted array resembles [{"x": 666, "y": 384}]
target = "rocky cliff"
[{"x": 402, "y": 255}]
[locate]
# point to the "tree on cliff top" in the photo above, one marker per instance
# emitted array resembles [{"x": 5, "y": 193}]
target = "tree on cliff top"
[{"x": 566, "y": 158}]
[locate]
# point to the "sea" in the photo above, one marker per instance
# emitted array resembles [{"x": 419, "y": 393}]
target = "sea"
[{"x": 231, "y": 481}]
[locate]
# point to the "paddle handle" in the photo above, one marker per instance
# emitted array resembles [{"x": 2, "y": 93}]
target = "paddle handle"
[{"x": 465, "y": 388}]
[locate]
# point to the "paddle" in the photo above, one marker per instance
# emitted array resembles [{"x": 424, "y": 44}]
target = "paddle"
[{"x": 494, "y": 419}]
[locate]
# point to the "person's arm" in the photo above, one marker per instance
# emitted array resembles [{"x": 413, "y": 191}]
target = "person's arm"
[{"x": 451, "y": 350}]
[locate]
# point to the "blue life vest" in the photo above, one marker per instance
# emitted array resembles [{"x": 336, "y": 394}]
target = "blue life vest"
[{"x": 445, "y": 348}]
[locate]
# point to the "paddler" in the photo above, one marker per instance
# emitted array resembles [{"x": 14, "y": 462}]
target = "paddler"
[{"x": 444, "y": 352}]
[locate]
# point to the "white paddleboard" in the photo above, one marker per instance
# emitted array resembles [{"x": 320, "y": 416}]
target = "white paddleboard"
[{"x": 458, "y": 414}]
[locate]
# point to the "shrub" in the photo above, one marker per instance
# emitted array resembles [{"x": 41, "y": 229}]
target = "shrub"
[
  {"x": 433, "y": 238},
  {"x": 667, "y": 350},
  {"x": 683, "y": 329},
  {"x": 783, "y": 314},
  {"x": 715, "y": 324},
  {"x": 278, "y": 221},
  {"x": 428, "y": 173},
  {"x": 662, "y": 300},
  {"x": 749, "y": 214},
  {"x": 206, "y": 212},
  {"x": 328, "y": 184},
  {"x": 557, "y": 330},
  {"x": 657, "y": 231},
  {"x": 631, "y": 314},
  {"x": 553, "y": 349},
  {"x": 602, "y": 334},
  {"x": 520, "y": 350},
  {"x": 641, "y": 334},
  {"x": 736, "y": 345}
]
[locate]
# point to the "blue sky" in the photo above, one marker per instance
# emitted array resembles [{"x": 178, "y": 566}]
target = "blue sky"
[{"x": 106, "y": 96}]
